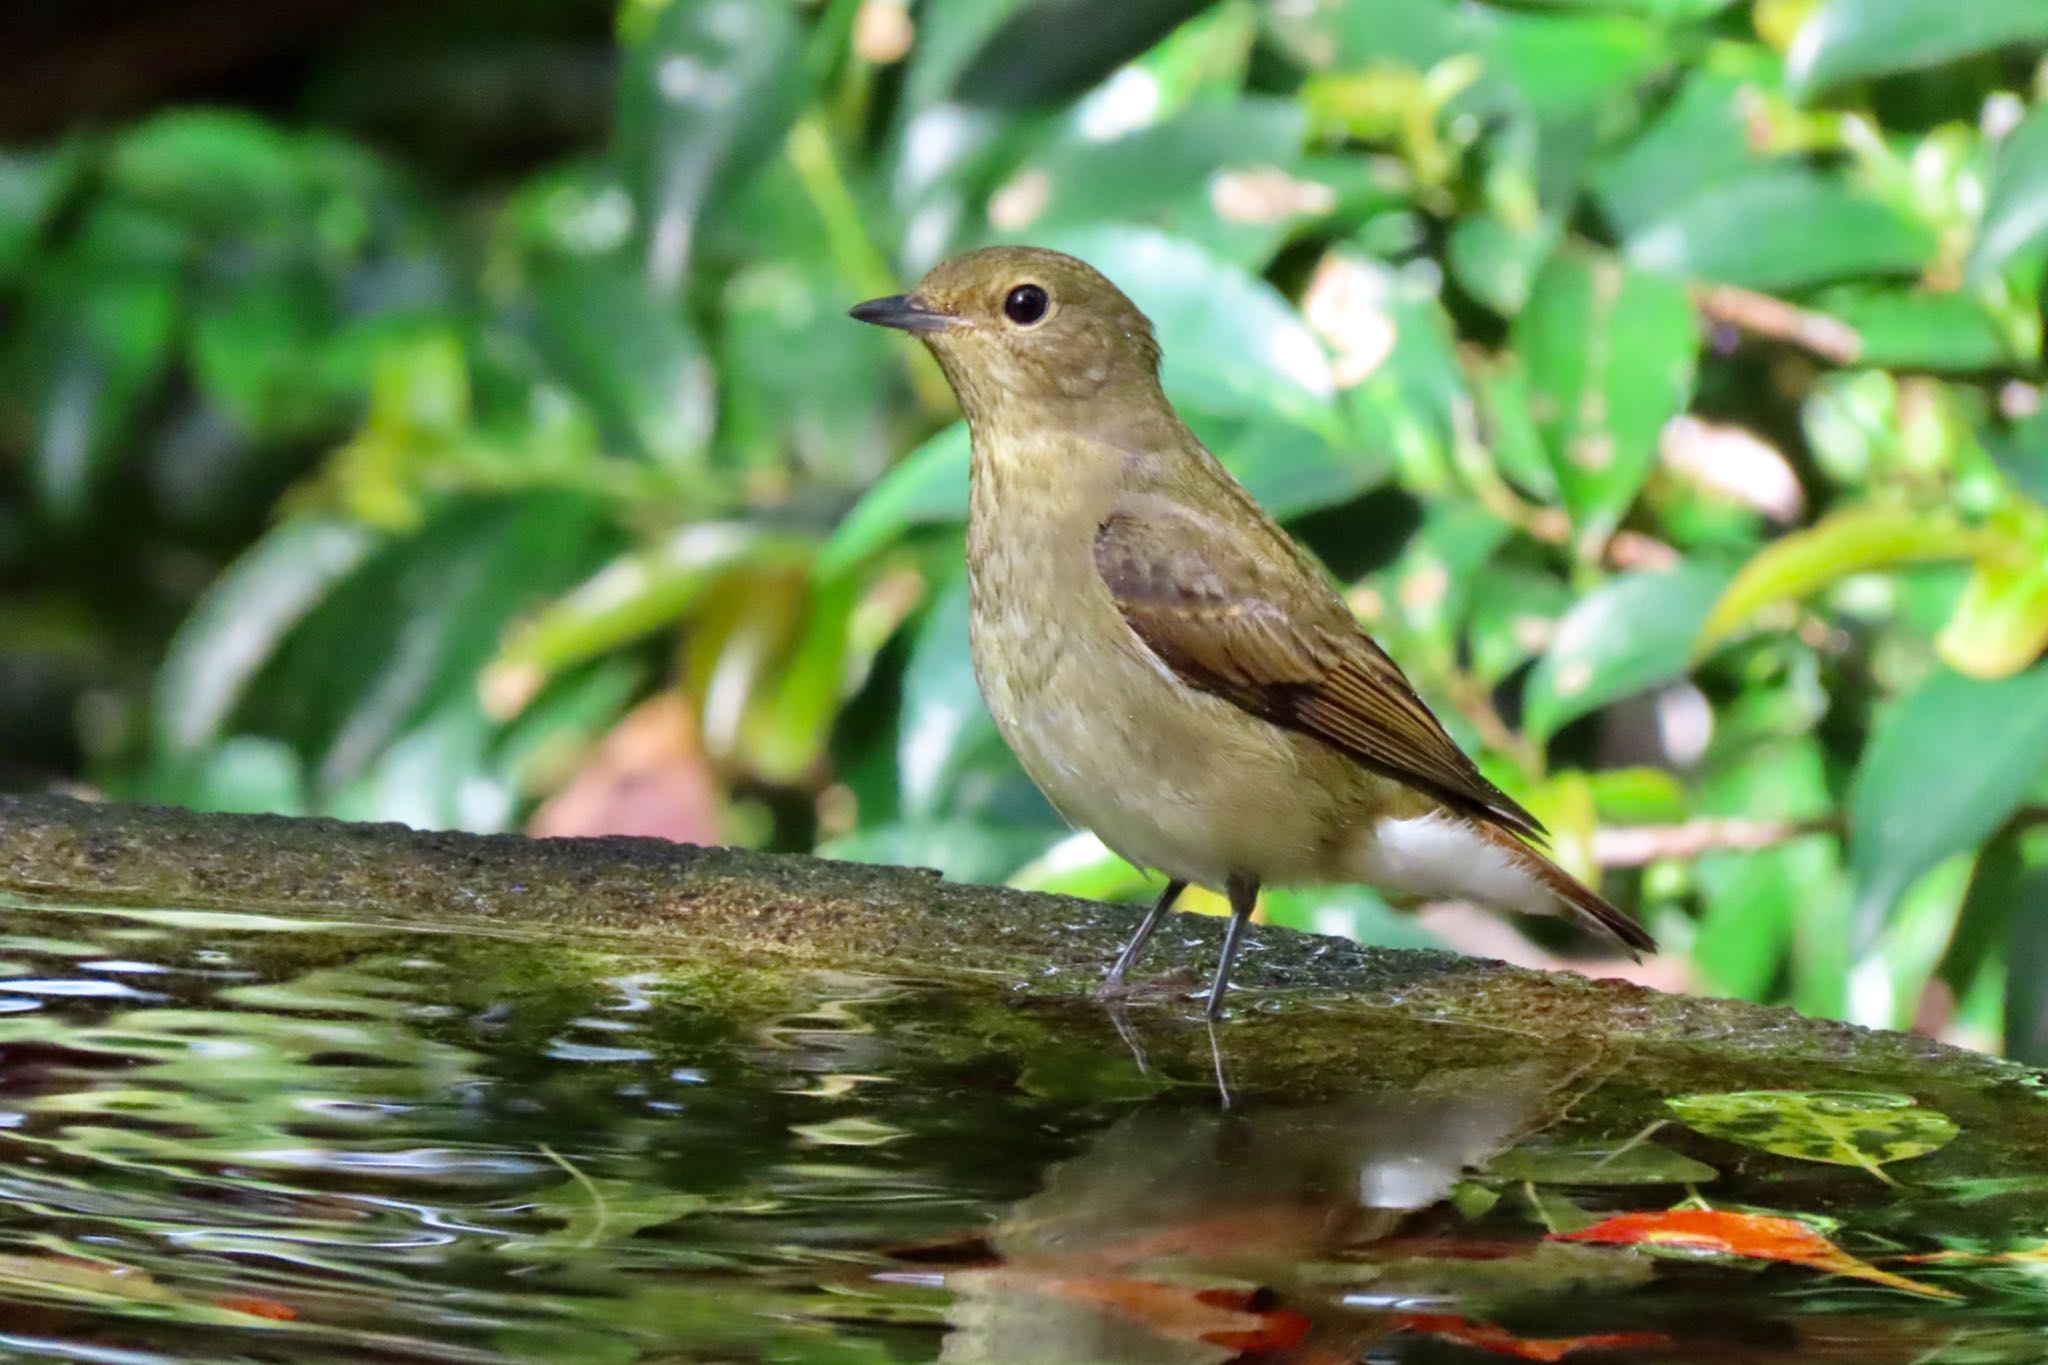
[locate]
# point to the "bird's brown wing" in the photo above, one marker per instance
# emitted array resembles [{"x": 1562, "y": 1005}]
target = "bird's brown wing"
[{"x": 1266, "y": 632}]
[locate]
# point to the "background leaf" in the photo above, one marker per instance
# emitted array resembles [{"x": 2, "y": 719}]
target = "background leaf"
[{"x": 1978, "y": 743}]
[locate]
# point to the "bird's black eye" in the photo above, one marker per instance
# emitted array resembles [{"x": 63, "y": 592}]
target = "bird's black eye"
[{"x": 1025, "y": 304}]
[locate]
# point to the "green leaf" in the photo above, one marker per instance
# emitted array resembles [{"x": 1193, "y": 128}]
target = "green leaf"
[
  {"x": 634, "y": 596},
  {"x": 1599, "y": 1163},
  {"x": 2026, "y": 1003},
  {"x": 32, "y": 186},
  {"x": 414, "y": 625},
  {"x": 1849, "y": 40},
  {"x": 2016, "y": 201},
  {"x": 241, "y": 621},
  {"x": 1851, "y": 541},
  {"x": 629, "y": 354},
  {"x": 1869, "y": 1129},
  {"x": 2001, "y": 624},
  {"x": 819, "y": 417},
  {"x": 1226, "y": 334},
  {"x": 1756, "y": 901},
  {"x": 960, "y": 850},
  {"x": 1920, "y": 330},
  {"x": 1174, "y": 176},
  {"x": 1696, "y": 141},
  {"x": 94, "y": 341},
  {"x": 1782, "y": 228},
  {"x": 1629, "y": 634},
  {"x": 707, "y": 87},
  {"x": 1073, "y": 44},
  {"x": 1610, "y": 355},
  {"x": 1944, "y": 769},
  {"x": 1355, "y": 912},
  {"x": 927, "y": 487},
  {"x": 218, "y": 170}
]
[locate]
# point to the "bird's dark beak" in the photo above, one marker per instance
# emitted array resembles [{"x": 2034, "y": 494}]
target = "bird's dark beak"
[{"x": 905, "y": 311}]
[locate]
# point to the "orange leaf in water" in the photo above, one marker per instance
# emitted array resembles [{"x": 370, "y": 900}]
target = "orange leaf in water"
[
  {"x": 1238, "y": 1319},
  {"x": 1756, "y": 1236},
  {"x": 259, "y": 1308},
  {"x": 1500, "y": 1341}
]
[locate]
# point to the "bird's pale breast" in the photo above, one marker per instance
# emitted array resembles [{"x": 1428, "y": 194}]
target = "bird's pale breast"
[{"x": 1168, "y": 777}]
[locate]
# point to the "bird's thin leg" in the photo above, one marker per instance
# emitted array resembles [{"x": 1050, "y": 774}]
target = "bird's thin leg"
[
  {"x": 1121, "y": 1022},
  {"x": 1216, "y": 1057},
  {"x": 1113, "y": 983},
  {"x": 1244, "y": 897}
]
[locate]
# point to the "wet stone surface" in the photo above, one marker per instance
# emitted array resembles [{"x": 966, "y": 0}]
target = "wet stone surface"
[{"x": 238, "y": 1136}]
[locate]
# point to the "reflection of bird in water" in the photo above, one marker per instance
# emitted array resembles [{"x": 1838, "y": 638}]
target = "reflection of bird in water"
[{"x": 1175, "y": 1236}]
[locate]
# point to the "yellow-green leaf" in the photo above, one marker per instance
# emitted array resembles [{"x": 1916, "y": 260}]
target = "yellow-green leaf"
[
  {"x": 1869, "y": 1129},
  {"x": 1852, "y": 541}
]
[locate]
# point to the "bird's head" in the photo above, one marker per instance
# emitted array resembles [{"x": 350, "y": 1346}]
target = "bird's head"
[{"x": 1022, "y": 325}]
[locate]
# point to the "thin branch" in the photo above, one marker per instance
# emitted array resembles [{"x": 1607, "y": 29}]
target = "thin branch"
[
  {"x": 1639, "y": 845},
  {"x": 1829, "y": 338}
]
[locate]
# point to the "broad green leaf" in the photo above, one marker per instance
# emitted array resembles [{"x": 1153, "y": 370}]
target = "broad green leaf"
[
  {"x": 1225, "y": 334},
  {"x": 1074, "y": 44},
  {"x": 926, "y": 487},
  {"x": 1610, "y": 354},
  {"x": 1355, "y": 912},
  {"x": 1079, "y": 865},
  {"x": 1849, "y": 40},
  {"x": 2026, "y": 1004},
  {"x": 1851, "y": 541},
  {"x": 1637, "y": 796},
  {"x": 1869, "y": 1129},
  {"x": 632, "y": 597},
  {"x": 2016, "y": 201},
  {"x": 1566, "y": 66},
  {"x": 1696, "y": 141},
  {"x": 91, "y": 342},
  {"x": 819, "y": 418},
  {"x": 259, "y": 354},
  {"x": 2001, "y": 624},
  {"x": 1217, "y": 175},
  {"x": 218, "y": 170},
  {"x": 1757, "y": 901},
  {"x": 1498, "y": 261},
  {"x": 417, "y": 621},
  {"x": 1629, "y": 634},
  {"x": 243, "y": 619},
  {"x": 960, "y": 850},
  {"x": 2021, "y": 453},
  {"x": 706, "y": 88},
  {"x": 32, "y": 185},
  {"x": 1599, "y": 1163},
  {"x": 1782, "y": 228},
  {"x": 1397, "y": 350},
  {"x": 1945, "y": 768},
  {"x": 1920, "y": 330},
  {"x": 629, "y": 354}
]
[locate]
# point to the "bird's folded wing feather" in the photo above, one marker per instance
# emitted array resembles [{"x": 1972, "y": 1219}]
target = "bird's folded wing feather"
[{"x": 1269, "y": 634}]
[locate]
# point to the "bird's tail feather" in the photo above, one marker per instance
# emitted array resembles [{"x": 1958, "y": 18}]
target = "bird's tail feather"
[{"x": 1585, "y": 905}]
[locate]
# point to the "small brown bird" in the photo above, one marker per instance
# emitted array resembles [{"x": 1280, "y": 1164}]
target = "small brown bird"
[{"x": 1172, "y": 670}]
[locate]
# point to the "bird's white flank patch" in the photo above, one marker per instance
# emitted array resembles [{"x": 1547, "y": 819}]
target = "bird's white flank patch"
[{"x": 1441, "y": 857}]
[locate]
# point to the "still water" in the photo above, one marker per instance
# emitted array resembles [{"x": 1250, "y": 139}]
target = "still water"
[{"x": 236, "y": 1138}]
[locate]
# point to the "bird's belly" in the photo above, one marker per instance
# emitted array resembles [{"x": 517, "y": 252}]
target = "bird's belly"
[{"x": 1167, "y": 777}]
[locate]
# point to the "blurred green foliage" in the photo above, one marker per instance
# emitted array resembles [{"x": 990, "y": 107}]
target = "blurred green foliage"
[{"x": 1664, "y": 376}]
